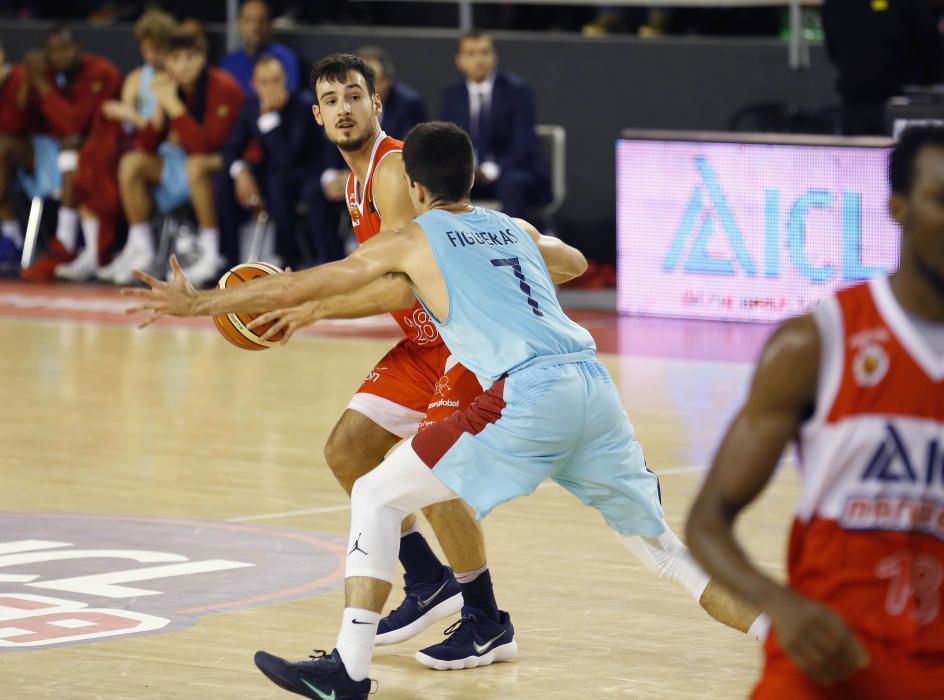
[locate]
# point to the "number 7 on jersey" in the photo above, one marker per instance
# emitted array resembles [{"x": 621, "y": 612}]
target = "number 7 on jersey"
[{"x": 515, "y": 265}]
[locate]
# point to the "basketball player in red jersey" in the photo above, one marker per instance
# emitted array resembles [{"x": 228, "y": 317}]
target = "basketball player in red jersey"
[
  {"x": 859, "y": 385},
  {"x": 416, "y": 382},
  {"x": 418, "y": 374}
]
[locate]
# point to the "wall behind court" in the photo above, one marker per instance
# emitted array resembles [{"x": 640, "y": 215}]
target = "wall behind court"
[{"x": 594, "y": 87}]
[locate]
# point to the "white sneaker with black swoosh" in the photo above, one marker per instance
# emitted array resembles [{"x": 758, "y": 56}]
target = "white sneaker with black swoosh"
[{"x": 473, "y": 641}]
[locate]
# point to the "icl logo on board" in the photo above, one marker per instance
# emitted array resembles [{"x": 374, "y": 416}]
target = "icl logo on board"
[{"x": 709, "y": 214}]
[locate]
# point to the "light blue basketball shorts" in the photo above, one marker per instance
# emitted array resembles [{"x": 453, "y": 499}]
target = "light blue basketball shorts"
[
  {"x": 563, "y": 422},
  {"x": 46, "y": 179},
  {"x": 172, "y": 191}
]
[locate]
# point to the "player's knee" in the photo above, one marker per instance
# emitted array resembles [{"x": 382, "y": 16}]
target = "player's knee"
[
  {"x": 130, "y": 166},
  {"x": 371, "y": 492},
  {"x": 197, "y": 169},
  {"x": 346, "y": 458},
  {"x": 362, "y": 493}
]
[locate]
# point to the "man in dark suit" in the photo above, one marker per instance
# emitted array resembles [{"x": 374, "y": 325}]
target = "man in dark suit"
[
  {"x": 293, "y": 148},
  {"x": 497, "y": 108},
  {"x": 403, "y": 107}
]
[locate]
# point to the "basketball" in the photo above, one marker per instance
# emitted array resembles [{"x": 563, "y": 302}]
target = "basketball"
[{"x": 233, "y": 326}]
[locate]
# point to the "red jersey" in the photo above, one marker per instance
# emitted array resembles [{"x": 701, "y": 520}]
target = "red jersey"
[
  {"x": 222, "y": 101},
  {"x": 71, "y": 108},
  {"x": 13, "y": 120},
  {"x": 868, "y": 539},
  {"x": 415, "y": 322}
]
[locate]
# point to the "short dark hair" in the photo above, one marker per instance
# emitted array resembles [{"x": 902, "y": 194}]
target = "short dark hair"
[
  {"x": 901, "y": 170},
  {"x": 267, "y": 58},
  {"x": 382, "y": 56},
  {"x": 185, "y": 40},
  {"x": 336, "y": 67},
  {"x": 260, "y": 2},
  {"x": 63, "y": 29},
  {"x": 439, "y": 156},
  {"x": 474, "y": 34},
  {"x": 154, "y": 26}
]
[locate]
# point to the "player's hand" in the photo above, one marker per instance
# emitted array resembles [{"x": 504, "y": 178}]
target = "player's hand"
[
  {"x": 288, "y": 320},
  {"x": 816, "y": 639},
  {"x": 34, "y": 62},
  {"x": 247, "y": 190},
  {"x": 334, "y": 188},
  {"x": 273, "y": 100},
  {"x": 174, "y": 298},
  {"x": 164, "y": 90},
  {"x": 118, "y": 111}
]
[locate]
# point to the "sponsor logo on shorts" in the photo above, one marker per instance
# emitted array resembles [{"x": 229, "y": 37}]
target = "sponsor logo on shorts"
[
  {"x": 443, "y": 402},
  {"x": 442, "y": 386}
]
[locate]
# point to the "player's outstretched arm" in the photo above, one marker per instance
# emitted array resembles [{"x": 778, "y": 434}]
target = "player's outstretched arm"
[
  {"x": 782, "y": 396},
  {"x": 391, "y": 292},
  {"x": 564, "y": 262},
  {"x": 378, "y": 256}
]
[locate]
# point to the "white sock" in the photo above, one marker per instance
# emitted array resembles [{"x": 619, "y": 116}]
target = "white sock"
[
  {"x": 414, "y": 528},
  {"x": 668, "y": 558},
  {"x": 356, "y": 641},
  {"x": 139, "y": 236},
  {"x": 209, "y": 241},
  {"x": 11, "y": 229},
  {"x": 67, "y": 228},
  {"x": 759, "y": 628},
  {"x": 470, "y": 576},
  {"x": 90, "y": 231}
]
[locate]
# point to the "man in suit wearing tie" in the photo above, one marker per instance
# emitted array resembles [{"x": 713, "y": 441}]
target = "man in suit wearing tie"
[
  {"x": 497, "y": 108},
  {"x": 294, "y": 151}
]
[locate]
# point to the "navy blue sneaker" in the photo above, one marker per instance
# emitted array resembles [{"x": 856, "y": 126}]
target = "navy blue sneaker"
[
  {"x": 472, "y": 641},
  {"x": 425, "y": 603},
  {"x": 322, "y": 676}
]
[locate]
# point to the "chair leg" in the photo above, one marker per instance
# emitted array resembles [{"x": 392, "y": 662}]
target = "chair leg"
[
  {"x": 32, "y": 231},
  {"x": 259, "y": 231},
  {"x": 165, "y": 244}
]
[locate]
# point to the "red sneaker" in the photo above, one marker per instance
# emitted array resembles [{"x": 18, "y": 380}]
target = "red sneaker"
[{"x": 42, "y": 270}]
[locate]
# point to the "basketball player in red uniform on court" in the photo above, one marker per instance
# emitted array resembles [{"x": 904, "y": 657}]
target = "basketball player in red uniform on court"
[
  {"x": 859, "y": 385},
  {"x": 416, "y": 382},
  {"x": 418, "y": 374}
]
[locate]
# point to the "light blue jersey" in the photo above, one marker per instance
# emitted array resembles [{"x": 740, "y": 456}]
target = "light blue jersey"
[
  {"x": 551, "y": 411},
  {"x": 503, "y": 310},
  {"x": 145, "y": 102}
]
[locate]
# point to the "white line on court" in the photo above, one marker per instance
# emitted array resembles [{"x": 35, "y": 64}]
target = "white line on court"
[{"x": 290, "y": 513}]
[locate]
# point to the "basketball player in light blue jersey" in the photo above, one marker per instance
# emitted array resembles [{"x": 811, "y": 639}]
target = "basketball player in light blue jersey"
[{"x": 550, "y": 409}]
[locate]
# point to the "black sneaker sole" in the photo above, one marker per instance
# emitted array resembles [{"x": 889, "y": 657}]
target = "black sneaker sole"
[{"x": 287, "y": 685}]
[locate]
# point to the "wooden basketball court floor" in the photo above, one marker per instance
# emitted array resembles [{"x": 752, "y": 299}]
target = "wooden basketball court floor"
[{"x": 218, "y": 452}]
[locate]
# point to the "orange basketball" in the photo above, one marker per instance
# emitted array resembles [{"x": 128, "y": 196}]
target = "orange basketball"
[{"x": 233, "y": 326}]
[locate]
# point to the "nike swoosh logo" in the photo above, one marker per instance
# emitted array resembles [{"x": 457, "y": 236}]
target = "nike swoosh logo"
[
  {"x": 425, "y": 603},
  {"x": 358, "y": 622},
  {"x": 482, "y": 648},
  {"x": 318, "y": 692}
]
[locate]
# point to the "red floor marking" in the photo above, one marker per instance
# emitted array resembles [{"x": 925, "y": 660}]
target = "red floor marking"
[{"x": 625, "y": 335}]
